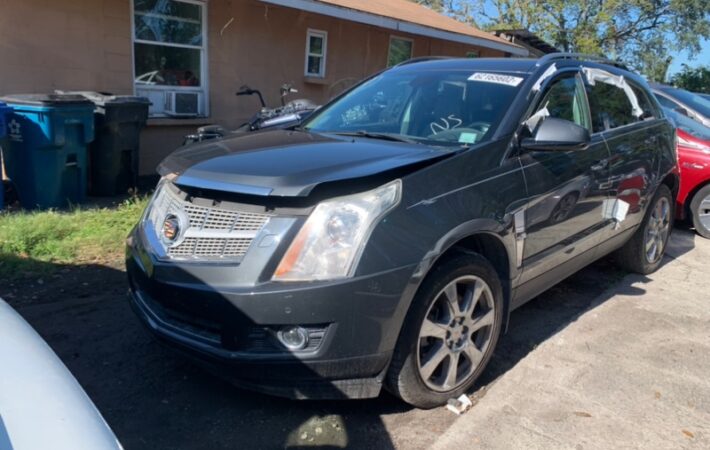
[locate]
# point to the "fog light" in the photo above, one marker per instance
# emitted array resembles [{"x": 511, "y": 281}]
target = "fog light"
[{"x": 294, "y": 338}]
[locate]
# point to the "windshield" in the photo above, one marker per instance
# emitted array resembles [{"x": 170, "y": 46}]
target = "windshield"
[
  {"x": 690, "y": 126},
  {"x": 692, "y": 101},
  {"x": 436, "y": 107}
]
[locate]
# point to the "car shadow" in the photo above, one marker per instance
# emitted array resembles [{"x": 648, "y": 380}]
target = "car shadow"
[{"x": 155, "y": 398}]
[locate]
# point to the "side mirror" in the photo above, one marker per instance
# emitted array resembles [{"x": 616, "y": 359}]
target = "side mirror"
[
  {"x": 558, "y": 135},
  {"x": 683, "y": 111}
]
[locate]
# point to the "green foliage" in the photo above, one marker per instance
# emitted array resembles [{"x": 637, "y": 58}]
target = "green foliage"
[
  {"x": 643, "y": 33},
  {"x": 77, "y": 236},
  {"x": 693, "y": 79}
]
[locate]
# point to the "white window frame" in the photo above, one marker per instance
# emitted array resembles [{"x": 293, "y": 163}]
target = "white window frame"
[
  {"x": 324, "y": 36},
  {"x": 399, "y": 38},
  {"x": 204, "y": 60}
]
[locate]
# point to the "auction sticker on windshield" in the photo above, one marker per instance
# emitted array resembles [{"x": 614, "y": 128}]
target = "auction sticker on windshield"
[{"x": 496, "y": 78}]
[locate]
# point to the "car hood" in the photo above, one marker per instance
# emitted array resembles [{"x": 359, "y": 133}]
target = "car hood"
[
  {"x": 41, "y": 403},
  {"x": 287, "y": 162}
]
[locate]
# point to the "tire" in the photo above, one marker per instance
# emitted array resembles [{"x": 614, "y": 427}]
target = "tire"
[
  {"x": 700, "y": 211},
  {"x": 467, "y": 336},
  {"x": 634, "y": 256}
]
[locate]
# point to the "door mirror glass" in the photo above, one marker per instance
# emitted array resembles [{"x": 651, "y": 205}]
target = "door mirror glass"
[{"x": 555, "y": 134}]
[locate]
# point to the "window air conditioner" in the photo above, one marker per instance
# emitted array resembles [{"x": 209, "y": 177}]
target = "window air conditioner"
[{"x": 182, "y": 104}]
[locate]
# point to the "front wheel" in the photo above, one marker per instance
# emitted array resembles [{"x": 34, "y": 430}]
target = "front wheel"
[
  {"x": 700, "y": 211},
  {"x": 449, "y": 334},
  {"x": 644, "y": 251}
]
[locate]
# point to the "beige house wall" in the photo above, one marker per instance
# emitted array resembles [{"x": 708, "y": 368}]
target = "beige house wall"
[
  {"x": 65, "y": 44},
  {"x": 86, "y": 45}
]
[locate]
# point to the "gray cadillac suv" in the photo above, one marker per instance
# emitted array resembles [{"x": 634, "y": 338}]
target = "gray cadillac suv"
[{"x": 386, "y": 240}]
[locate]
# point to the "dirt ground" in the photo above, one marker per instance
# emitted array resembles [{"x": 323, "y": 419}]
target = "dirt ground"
[{"x": 153, "y": 398}]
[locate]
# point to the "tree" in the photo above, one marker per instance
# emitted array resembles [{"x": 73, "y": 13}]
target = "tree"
[
  {"x": 693, "y": 79},
  {"x": 436, "y": 5},
  {"x": 642, "y": 33}
]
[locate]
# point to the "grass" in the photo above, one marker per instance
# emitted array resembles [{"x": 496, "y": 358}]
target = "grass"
[{"x": 32, "y": 242}]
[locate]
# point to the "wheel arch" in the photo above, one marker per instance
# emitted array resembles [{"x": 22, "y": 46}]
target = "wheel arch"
[
  {"x": 486, "y": 238},
  {"x": 691, "y": 195},
  {"x": 672, "y": 180}
]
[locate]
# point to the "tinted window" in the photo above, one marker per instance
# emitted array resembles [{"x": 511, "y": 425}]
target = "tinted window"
[
  {"x": 564, "y": 99},
  {"x": 650, "y": 110},
  {"x": 610, "y": 107},
  {"x": 447, "y": 108}
]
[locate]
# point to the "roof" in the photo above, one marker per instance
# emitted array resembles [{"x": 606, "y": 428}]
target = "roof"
[
  {"x": 528, "y": 38},
  {"x": 521, "y": 66},
  {"x": 405, "y": 16}
]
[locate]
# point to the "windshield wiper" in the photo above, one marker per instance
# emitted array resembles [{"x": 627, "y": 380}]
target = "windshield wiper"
[{"x": 375, "y": 135}]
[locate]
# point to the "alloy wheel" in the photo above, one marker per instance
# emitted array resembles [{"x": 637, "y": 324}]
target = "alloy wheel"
[
  {"x": 657, "y": 230},
  {"x": 704, "y": 212},
  {"x": 456, "y": 333}
]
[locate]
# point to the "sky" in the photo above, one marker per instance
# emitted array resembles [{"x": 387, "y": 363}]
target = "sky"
[{"x": 701, "y": 59}]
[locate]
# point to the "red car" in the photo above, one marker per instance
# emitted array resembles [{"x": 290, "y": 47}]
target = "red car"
[{"x": 694, "y": 158}]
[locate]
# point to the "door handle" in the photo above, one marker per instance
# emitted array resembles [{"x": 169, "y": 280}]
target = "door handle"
[{"x": 600, "y": 165}]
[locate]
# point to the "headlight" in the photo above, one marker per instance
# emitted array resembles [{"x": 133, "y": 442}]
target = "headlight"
[
  {"x": 155, "y": 204},
  {"x": 331, "y": 241}
]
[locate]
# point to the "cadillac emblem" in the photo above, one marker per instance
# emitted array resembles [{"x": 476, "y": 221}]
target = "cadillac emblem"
[{"x": 172, "y": 230}]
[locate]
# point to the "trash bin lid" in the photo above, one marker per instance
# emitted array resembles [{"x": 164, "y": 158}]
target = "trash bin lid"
[
  {"x": 45, "y": 99},
  {"x": 103, "y": 98}
]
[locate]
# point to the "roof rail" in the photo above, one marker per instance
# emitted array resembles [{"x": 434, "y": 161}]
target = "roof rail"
[
  {"x": 421, "y": 59},
  {"x": 581, "y": 56}
]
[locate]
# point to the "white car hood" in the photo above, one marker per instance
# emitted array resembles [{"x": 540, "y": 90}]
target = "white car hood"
[{"x": 41, "y": 404}]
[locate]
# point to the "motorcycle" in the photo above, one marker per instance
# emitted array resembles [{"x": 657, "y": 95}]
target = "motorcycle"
[{"x": 288, "y": 114}]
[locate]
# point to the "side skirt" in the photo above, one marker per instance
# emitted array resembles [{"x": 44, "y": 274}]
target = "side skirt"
[{"x": 531, "y": 289}]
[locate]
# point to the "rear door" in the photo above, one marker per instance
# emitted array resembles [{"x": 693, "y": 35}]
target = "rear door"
[
  {"x": 634, "y": 132},
  {"x": 567, "y": 190}
]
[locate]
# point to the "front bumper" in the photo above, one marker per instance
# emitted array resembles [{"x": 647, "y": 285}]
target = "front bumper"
[{"x": 231, "y": 329}]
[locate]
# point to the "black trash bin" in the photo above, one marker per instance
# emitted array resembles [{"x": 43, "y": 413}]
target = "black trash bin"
[{"x": 113, "y": 156}]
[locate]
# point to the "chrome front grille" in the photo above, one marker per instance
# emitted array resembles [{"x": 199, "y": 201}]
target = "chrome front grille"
[
  {"x": 211, "y": 247},
  {"x": 220, "y": 219},
  {"x": 213, "y": 232}
]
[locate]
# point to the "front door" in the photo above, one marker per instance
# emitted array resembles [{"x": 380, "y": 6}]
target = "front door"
[{"x": 567, "y": 190}]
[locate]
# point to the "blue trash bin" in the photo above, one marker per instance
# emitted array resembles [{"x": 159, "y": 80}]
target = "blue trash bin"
[
  {"x": 46, "y": 148},
  {"x": 4, "y": 111}
]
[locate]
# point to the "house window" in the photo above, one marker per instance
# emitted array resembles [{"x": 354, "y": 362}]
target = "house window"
[
  {"x": 400, "y": 50},
  {"x": 316, "y": 49},
  {"x": 169, "y": 56}
]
